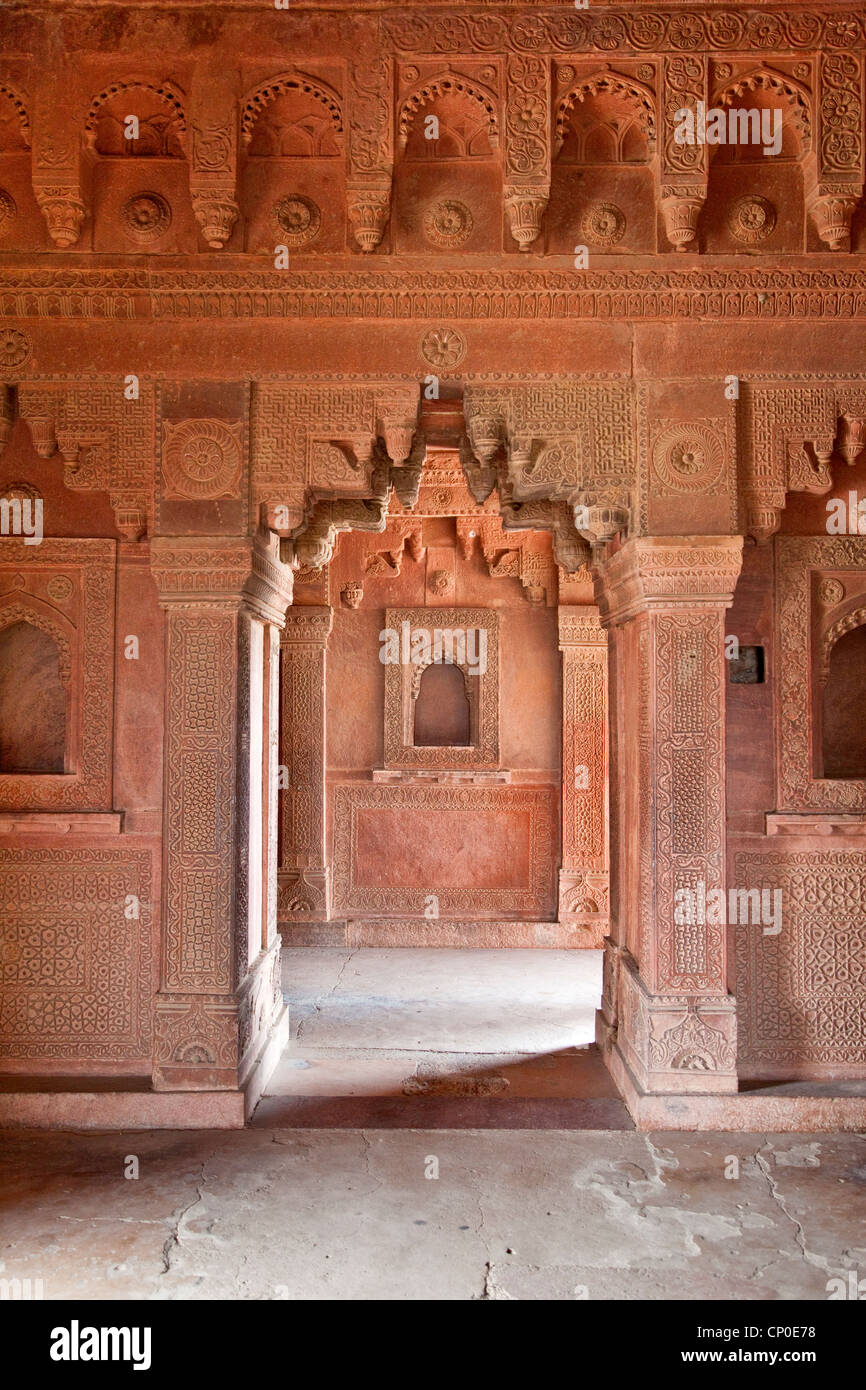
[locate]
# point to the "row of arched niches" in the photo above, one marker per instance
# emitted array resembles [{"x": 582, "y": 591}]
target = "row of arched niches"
[{"x": 448, "y": 186}]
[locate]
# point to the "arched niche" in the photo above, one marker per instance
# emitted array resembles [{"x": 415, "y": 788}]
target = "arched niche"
[
  {"x": 137, "y": 135},
  {"x": 448, "y": 179},
  {"x": 442, "y": 708},
  {"x": 756, "y": 202},
  {"x": 293, "y": 174},
  {"x": 602, "y": 191},
  {"x": 33, "y": 700},
  {"x": 842, "y": 746},
  {"x": 22, "y": 227}
]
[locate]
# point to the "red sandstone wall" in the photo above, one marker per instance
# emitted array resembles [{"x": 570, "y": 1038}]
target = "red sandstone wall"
[
  {"x": 494, "y": 836},
  {"x": 79, "y": 975}
]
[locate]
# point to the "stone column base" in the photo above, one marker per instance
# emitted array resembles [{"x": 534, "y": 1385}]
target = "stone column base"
[
  {"x": 303, "y": 895},
  {"x": 668, "y": 1044}
]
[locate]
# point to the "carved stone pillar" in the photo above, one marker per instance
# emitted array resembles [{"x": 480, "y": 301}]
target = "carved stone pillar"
[
  {"x": 213, "y": 158},
  {"x": 683, "y": 164},
  {"x": 583, "y": 878},
  {"x": 668, "y": 1023},
  {"x": 834, "y": 177},
  {"x": 527, "y": 147},
  {"x": 58, "y": 165},
  {"x": 304, "y": 878},
  {"x": 220, "y": 1018}
]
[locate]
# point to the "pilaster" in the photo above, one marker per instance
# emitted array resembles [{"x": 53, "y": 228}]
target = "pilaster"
[{"x": 666, "y": 1011}]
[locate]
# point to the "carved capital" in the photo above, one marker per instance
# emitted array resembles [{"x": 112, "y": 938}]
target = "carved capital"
[
  {"x": 307, "y": 626},
  {"x": 216, "y": 213},
  {"x": 833, "y": 214},
  {"x": 525, "y": 208},
  {"x": 681, "y": 211},
  {"x": 672, "y": 571},
  {"x": 64, "y": 213},
  {"x": 369, "y": 209}
]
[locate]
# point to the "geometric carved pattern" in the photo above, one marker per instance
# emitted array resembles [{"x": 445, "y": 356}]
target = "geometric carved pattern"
[
  {"x": 689, "y": 794},
  {"x": 583, "y": 883},
  {"x": 303, "y": 870},
  {"x": 75, "y": 972},
  {"x": 199, "y": 800},
  {"x": 802, "y": 992},
  {"x": 796, "y": 558}
]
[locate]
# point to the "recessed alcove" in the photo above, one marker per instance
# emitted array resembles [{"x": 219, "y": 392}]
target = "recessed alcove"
[
  {"x": 32, "y": 702},
  {"x": 442, "y": 710},
  {"x": 843, "y": 728}
]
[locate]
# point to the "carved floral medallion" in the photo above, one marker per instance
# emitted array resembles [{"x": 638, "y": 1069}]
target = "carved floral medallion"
[
  {"x": 688, "y": 457},
  {"x": 603, "y": 224},
  {"x": 202, "y": 459},
  {"x": 298, "y": 220},
  {"x": 14, "y": 347},
  {"x": 831, "y": 592},
  {"x": 443, "y": 347},
  {"x": 448, "y": 223},
  {"x": 752, "y": 219},
  {"x": 147, "y": 216}
]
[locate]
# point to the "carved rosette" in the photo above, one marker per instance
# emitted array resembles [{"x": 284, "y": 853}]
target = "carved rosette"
[{"x": 369, "y": 210}]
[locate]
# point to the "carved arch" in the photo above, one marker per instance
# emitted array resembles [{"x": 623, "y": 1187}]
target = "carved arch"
[
  {"x": 167, "y": 93},
  {"x": 448, "y": 83},
  {"x": 842, "y": 626},
  {"x": 20, "y": 106},
  {"x": 39, "y": 614},
  {"x": 261, "y": 98},
  {"x": 639, "y": 99},
  {"x": 766, "y": 79}
]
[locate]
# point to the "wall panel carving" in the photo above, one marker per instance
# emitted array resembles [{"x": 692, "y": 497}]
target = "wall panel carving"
[
  {"x": 798, "y": 663},
  {"x": 802, "y": 993},
  {"x": 487, "y": 851},
  {"x": 77, "y": 974},
  {"x": 583, "y": 879}
]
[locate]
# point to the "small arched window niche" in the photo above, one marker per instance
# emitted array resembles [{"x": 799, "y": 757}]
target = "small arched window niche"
[
  {"x": 442, "y": 707},
  {"x": 443, "y": 716},
  {"x": 843, "y": 728},
  {"x": 34, "y": 699}
]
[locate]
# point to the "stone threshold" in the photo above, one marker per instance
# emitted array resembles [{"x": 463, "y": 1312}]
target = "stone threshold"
[
  {"x": 445, "y": 933},
  {"x": 440, "y": 1112}
]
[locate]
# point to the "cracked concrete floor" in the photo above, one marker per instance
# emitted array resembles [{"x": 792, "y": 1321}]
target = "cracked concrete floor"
[{"x": 350, "y": 1214}]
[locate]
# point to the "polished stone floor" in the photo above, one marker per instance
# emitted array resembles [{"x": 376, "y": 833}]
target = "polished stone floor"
[{"x": 439, "y": 1128}]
